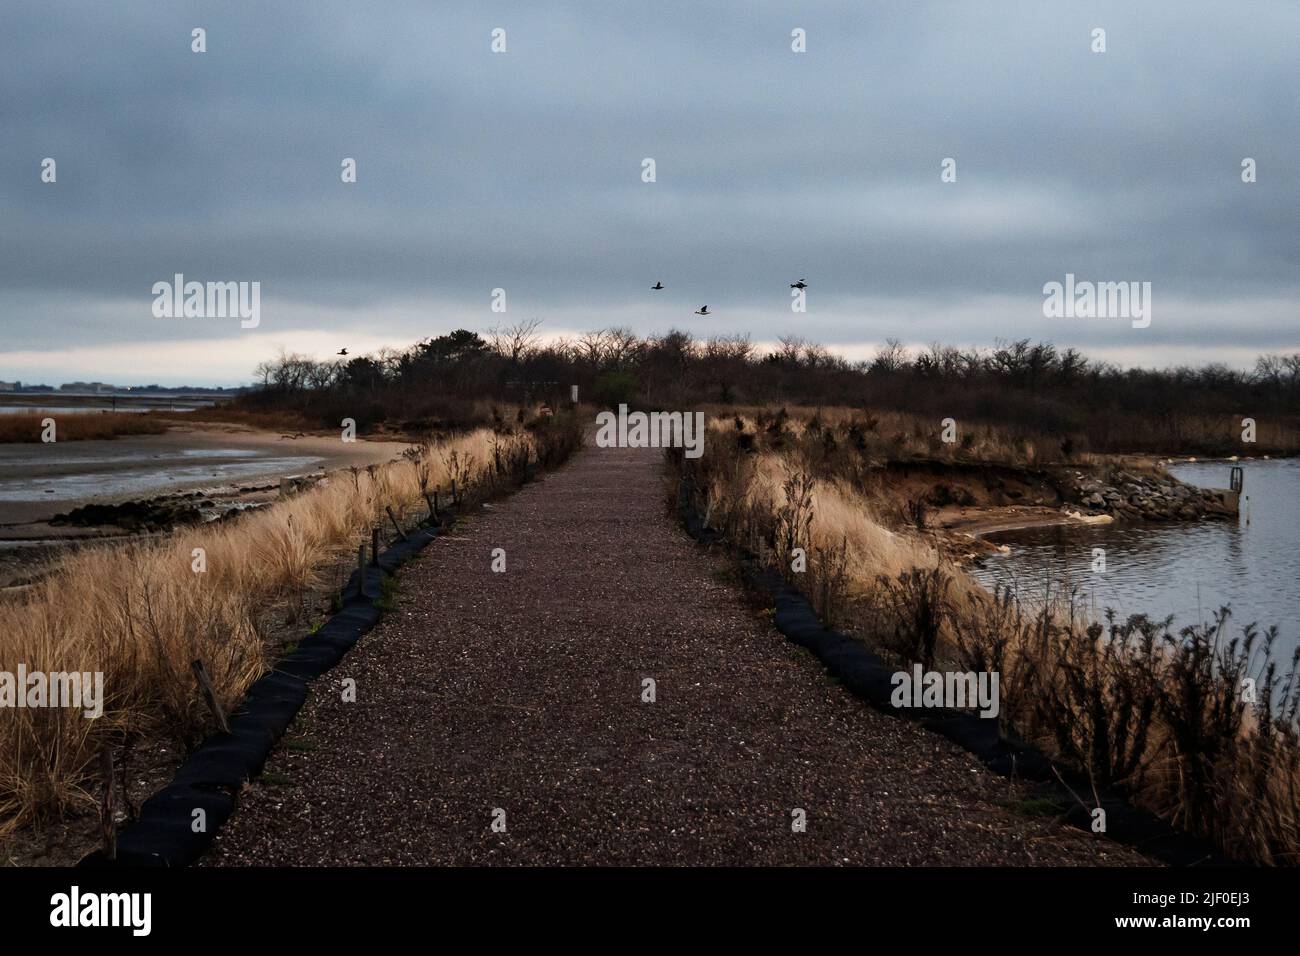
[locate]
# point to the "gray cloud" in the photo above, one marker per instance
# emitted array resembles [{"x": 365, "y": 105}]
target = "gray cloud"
[{"x": 522, "y": 171}]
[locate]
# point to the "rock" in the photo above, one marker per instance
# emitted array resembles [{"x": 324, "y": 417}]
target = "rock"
[{"x": 153, "y": 514}]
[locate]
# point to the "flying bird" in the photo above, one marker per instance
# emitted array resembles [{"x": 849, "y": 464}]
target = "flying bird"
[
  {"x": 657, "y": 285},
  {"x": 799, "y": 285},
  {"x": 702, "y": 310},
  {"x": 342, "y": 352}
]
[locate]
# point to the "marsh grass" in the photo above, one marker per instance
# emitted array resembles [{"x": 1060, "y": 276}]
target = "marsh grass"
[
  {"x": 841, "y": 436},
  {"x": 141, "y": 614},
  {"x": 1198, "y": 724},
  {"x": 79, "y": 426},
  {"x": 1163, "y": 714}
]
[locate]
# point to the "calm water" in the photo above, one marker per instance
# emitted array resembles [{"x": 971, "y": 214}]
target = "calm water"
[
  {"x": 1185, "y": 569},
  {"x": 122, "y": 407}
]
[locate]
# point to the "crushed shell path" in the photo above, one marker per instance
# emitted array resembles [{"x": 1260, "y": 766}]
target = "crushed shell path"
[{"x": 521, "y": 691}]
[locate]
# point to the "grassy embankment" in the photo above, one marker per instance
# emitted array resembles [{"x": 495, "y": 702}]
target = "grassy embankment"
[
  {"x": 141, "y": 615},
  {"x": 78, "y": 426},
  {"x": 1160, "y": 713}
]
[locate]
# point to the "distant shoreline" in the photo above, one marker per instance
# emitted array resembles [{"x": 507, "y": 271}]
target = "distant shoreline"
[{"x": 107, "y": 401}]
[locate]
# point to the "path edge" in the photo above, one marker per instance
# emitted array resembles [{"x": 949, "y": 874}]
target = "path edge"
[
  {"x": 211, "y": 777},
  {"x": 868, "y": 677}
]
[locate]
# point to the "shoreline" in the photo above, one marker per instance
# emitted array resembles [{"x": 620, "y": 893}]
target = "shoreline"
[
  {"x": 199, "y": 471},
  {"x": 962, "y": 505}
]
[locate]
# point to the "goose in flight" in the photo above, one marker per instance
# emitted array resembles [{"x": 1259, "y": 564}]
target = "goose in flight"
[
  {"x": 702, "y": 310},
  {"x": 657, "y": 285},
  {"x": 799, "y": 285},
  {"x": 342, "y": 352}
]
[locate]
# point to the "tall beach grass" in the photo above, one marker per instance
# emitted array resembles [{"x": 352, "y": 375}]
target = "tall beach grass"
[
  {"x": 142, "y": 614},
  {"x": 1198, "y": 724}
]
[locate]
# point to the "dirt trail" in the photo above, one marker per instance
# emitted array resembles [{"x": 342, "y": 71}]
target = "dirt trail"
[{"x": 522, "y": 691}]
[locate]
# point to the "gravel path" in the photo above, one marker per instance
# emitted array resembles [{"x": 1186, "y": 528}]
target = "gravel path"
[{"x": 522, "y": 691}]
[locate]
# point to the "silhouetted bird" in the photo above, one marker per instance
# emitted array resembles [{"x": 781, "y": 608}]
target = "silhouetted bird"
[
  {"x": 702, "y": 310},
  {"x": 342, "y": 352},
  {"x": 799, "y": 285},
  {"x": 657, "y": 285}
]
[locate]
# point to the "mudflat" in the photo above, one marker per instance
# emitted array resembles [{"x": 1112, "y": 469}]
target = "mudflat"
[{"x": 39, "y": 480}]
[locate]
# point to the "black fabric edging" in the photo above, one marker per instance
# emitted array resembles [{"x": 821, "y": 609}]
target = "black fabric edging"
[
  {"x": 209, "y": 780},
  {"x": 868, "y": 677}
]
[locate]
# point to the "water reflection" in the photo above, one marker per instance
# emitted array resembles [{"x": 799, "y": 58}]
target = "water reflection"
[{"x": 1187, "y": 569}]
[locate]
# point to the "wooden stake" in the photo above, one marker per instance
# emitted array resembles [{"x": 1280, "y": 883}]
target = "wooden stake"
[
  {"x": 455, "y": 496},
  {"x": 209, "y": 694},
  {"x": 374, "y": 546},
  {"x": 433, "y": 511},
  {"x": 361, "y": 569},
  {"x": 393, "y": 518},
  {"x": 108, "y": 806}
]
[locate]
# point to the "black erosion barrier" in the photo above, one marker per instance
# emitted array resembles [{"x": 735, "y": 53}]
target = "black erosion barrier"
[
  {"x": 165, "y": 832},
  {"x": 869, "y": 677}
]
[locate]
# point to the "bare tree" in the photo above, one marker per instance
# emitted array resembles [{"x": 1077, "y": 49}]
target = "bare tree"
[
  {"x": 891, "y": 358},
  {"x": 792, "y": 347},
  {"x": 622, "y": 346},
  {"x": 592, "y": 347},
  {"x": 322, "y": 374},
  {"x": 516, "y": 342},
  {"x": 265, "y": 371}
]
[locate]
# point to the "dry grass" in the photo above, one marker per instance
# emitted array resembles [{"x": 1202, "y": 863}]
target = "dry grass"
[
  {"x": 771, "y": 503},
  {"x": 983, "y": 436},
  {"x": 78, "y": 426},
  {"x": 1132, "y": 704},
  {"x": 413, "y": 415},
  {"x": 1198, "y": 725},
  {"x": 227, "y": 413},
  {"x": 140, "y": 616},
  {"x": 881, "y": 435}
]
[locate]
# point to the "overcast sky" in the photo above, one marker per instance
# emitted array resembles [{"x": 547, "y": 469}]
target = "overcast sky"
[{"x": 522, "y": 171}]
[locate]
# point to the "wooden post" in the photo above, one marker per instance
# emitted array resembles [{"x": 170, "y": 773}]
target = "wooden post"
[
  {"x": 433, "y": 508},
  {"x": 435, "y": 503},
  {"x": 361, "y": 569},
  {"x": 374, "y": 546},
  {"x": 108, "y": 805},
  {"x": 209, "y": 694},
  {"x": 393, "y": 518},
  {"x": 455, "y": 496}
]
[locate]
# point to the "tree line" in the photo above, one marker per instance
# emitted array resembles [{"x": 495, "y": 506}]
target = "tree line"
[{"x": 450, "y": 379}]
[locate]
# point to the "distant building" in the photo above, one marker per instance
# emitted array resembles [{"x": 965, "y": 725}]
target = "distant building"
[
  {"x": 10, "y": 386},
  {"x": 93, "y": 388}
]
